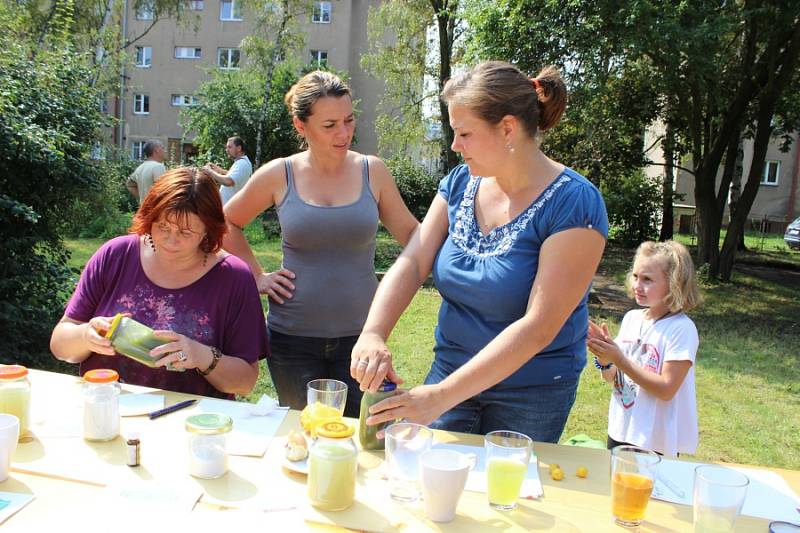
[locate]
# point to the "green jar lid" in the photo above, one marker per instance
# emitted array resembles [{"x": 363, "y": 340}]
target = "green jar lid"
[{"x": 209, "y": 424}]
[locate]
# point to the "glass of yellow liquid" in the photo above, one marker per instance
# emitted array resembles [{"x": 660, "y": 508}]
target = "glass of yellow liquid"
[
  {"x": 326, "y": 401},
  {"x": 507, "y": 457},
  {"x": 633, "y": 473}
]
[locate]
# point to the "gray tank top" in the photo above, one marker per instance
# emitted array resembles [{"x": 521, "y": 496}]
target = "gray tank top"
[{"x": 331, "y": 250}]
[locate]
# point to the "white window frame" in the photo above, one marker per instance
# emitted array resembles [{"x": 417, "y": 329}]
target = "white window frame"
[
  {"x": 141, "y": 104},
  {"x": 146, "y": 59},
  {"x": 137, "y": 150},
  {"x": 183, "y": 100},
  {"x": 319, "y": 57},
  {"x": 188, "y": 52},
  {"x": 236, "y": 8},
  {"x": 229, "y": 53},
  {"x": 765, "y": 176},
  {"x": 145, "y": 11},
  {"x": 196, "y": 5},
  {"x": 321, "y": 13}
]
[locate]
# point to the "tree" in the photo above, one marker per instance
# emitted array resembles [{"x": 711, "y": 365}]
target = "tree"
[
  {"x": 49, "y": 120},
  {"x": 412, "y": 41},
  {"x": 230, "y": 103},
  {"x": 275, "y": 38}
]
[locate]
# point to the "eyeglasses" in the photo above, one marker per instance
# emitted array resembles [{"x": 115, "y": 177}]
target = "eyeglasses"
[{"x": 166, "y": 230}]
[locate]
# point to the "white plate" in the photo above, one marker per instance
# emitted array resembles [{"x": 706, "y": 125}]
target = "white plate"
[{"x": 301, "y": 467}]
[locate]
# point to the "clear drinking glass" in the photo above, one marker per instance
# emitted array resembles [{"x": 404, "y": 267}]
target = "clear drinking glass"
[
  {"x": 633, "y": 472},
  {"x": 405, "y": 444},
  {"x": 719, "y": 493},
  {"x": 507, "y": 457},
  {"x": 326, "y": 400}
]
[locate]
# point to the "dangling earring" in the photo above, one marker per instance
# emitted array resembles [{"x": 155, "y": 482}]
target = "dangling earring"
[
  {"x": 204, "y": 248},
  {"x": 205, "y": 258},
  {"x": 510, "y": 148},
  {"x": 149, "y": 239}
]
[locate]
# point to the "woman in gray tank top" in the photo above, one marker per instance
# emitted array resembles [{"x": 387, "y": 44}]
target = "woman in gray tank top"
[{"x": 329, "y": 200}]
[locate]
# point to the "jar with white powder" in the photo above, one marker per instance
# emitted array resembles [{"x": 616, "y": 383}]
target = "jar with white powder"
[
  {"x": 208, "y": 433},
  {"x": 101, "y": 405}
]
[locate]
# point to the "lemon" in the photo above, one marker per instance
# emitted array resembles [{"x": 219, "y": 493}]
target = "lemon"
[{"x": 582, "y": 471}]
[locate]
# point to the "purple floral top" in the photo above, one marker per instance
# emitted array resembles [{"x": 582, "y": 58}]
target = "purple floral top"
[{"x": 220, "y": 309}]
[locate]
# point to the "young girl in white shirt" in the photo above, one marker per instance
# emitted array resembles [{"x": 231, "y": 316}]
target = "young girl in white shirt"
[{"x": 650, "y": 363}]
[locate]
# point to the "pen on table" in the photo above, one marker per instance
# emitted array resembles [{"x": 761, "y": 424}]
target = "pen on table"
[{"x": 170, "y": 409}]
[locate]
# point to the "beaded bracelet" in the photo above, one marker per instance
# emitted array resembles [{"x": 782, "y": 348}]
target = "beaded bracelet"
[
  {"x": 598, "y": 366},
  {"x": 217, "y": 355}
]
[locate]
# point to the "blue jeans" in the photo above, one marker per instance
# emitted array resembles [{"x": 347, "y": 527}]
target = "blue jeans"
[
  {"x": 538, "y": 411},
  {"x": 296, "y": 360}
]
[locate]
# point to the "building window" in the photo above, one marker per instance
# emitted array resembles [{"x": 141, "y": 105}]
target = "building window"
[
  {"x": 144, "y": 56},
  {"x": 196, "y": 5},
  {"x": 319, "y": 57},
  {"x": 228, "y": 58},
  {"x": 183, "y": 100},
  {"x": 145, "y": 11},
  {"x": 137, "y": 150},
  {"x": 141, "y": 104},
  {"x": 230, "y": 10},
  {"x": 772, "y": 170},
  {"x": 321, "y": 13},
  {"x": 187, "y": 52}
]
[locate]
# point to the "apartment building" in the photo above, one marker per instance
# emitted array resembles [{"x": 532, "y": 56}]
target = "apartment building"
[
  {"x": 171, "y": 61},
  {"x": 778, "y": 200}
]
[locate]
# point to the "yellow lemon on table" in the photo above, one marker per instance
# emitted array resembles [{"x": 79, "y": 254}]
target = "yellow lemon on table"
[
  {"x": 557, "y": 474},
  {"x": 582, "y": 471}
]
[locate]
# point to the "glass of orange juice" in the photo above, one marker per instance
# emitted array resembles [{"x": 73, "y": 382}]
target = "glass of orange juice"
[
  {"x": 507, "y": 457},
  {"x": 326, "y": 401},
  {"x": 633, "y": 472}
]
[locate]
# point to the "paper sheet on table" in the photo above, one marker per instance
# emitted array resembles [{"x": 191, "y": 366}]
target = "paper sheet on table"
[
  {"x": 768, "y": 495},
  {"x": 476, "y": 482},
  {"x": 139, "y": 404},
  {"x": 11, "y": 502},
  {"x": 251, "y": 434},
  {"x": 152, "y": 496}
]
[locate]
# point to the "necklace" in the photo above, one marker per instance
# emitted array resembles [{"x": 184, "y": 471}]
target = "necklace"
[{"x": 642, "y": 335}]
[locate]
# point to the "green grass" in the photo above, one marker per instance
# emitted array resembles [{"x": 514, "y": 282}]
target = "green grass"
[
  {"x": 748, "y": 366},
  {"x": 761, "y": 248}
]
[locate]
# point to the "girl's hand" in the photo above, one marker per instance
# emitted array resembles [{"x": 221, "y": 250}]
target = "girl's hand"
[
  {"x": 421, "y": 405},
  {"x": 606, "y": 350},
  {"x": 277, "y": 285},
  {"x": 94, "y": 335},
  {"x": 371, "y": 362},
  {"x": 598, "y": 332},
  {"x": 182, "y": 352}
]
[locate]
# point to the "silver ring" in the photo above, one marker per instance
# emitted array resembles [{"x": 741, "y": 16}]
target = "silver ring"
[
  {"x": 182, "y": 356},
  {"x": 363, "y": 362}
]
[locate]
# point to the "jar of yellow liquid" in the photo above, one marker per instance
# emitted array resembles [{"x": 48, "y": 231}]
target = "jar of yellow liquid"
[
  {"x": 15, "y": 394},
  {"x": 332, "y": 466}
]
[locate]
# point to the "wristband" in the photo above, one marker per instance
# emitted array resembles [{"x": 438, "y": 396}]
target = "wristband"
[
  {"x": 598, "y": 366},
  {"x": 217, "y": 356}
]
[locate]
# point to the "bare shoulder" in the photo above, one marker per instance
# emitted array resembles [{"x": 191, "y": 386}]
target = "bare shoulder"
[
  {"x": 270, "y": 172},
  {"x": 378, "y": 171}
]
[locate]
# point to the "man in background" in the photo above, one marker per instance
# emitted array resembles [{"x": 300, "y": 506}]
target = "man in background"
[
  {"x": 233, "y": 179},
  {"x": 148, "y": 172}
]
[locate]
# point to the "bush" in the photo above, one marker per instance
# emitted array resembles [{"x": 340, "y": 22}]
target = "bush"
[
  {"x": 633, "y": 203},
  {"x": 417, "y": 186},
  {"x": 49, "y": 120}
]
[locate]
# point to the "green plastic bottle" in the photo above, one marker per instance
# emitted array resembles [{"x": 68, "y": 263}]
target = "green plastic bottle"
[{"x": 367, "y": 434}]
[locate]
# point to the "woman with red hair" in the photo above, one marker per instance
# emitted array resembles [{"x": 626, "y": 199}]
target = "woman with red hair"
[{"x": 170, "y": 274}]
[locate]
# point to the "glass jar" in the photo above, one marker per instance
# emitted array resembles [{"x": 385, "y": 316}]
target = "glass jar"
[
  {"x": 332, "y": 466},
  {"x": 101, "y": 405},
  {"x": 135, "y": 340},
  {"x": 367, "y": 434},
  {"x": 15, "y": 394},
  {"x": 208, "y": 433}
]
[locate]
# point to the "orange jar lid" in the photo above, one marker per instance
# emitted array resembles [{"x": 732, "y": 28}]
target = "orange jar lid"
[
  {"x": 101, "y": 375},
  {"x": 13, "y": 371}
]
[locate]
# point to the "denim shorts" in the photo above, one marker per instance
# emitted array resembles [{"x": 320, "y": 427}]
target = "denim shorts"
[
  {"x": 296, "y": 360},
  {"x": 538, "y": 411}
]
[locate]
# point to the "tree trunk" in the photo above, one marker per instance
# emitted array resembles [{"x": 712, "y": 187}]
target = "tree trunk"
[
  {"x": 736, "y": 187},
  {"x": 785, "y": 64},
  {"x": 667, "y": 219},
  {"x": 445, "y": 21},
  {"x": 708, "y": 221}
]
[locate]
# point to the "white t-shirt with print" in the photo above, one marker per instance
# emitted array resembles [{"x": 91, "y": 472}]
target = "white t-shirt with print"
[{"x": 634, "y": 415}]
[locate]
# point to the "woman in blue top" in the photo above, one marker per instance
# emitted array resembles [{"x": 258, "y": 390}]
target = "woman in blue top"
[{"x": 513, "y": 239}]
